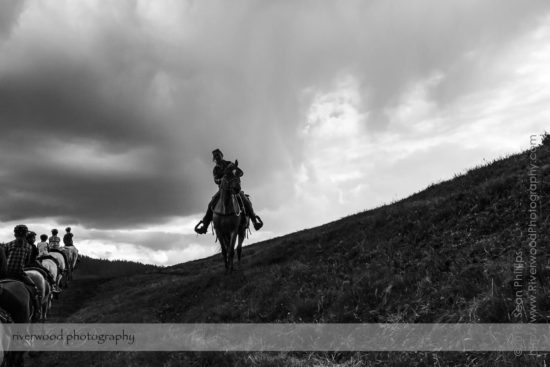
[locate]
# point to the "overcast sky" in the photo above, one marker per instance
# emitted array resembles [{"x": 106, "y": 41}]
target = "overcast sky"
[{"x": 109, "y": 110}]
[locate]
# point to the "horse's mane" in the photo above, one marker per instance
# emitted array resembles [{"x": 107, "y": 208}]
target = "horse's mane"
[{"x": 232, "y": 173}]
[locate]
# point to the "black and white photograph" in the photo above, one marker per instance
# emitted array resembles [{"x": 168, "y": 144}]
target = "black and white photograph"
[{"x": 274, "y": 183}]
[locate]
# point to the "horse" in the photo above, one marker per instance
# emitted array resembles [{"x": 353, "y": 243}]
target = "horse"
[
  {"x": 229, "y": 221},
  {"x": 16, "y": 300},
  {"x": 50, "y": 263},
  {"x": 71, "y": 254},
  {"x": 44, "y": 290},
  {"x": 60, "y": 258},
  {"x": 15, "y": 306}
]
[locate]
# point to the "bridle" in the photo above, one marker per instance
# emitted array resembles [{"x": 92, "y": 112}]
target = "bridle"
[{"x": 229, "y": 181}]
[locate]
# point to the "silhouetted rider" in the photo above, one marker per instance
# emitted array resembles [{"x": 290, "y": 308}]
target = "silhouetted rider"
[
  {"x": 218, "y": 172},
  {"x": 68, "y": 237}
]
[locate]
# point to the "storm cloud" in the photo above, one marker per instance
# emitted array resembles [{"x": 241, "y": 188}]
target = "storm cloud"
[{"x": 109, "y": 110}]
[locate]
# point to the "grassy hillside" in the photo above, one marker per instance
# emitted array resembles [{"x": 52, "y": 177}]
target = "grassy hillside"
[{"x": 445, "y": 254}]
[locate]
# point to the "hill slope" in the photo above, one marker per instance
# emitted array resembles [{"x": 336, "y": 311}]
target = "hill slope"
[
  {"x": 445, "y": 254},
  {"x": 89, "y": 274},
  {"x": 89, "y": 267}
]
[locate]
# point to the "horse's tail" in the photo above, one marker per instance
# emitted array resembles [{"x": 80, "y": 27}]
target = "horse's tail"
[
  {"x": 72, "y": 257},
  {"x": 75, "y": 257},
  {"x": 38, "y": 280}
]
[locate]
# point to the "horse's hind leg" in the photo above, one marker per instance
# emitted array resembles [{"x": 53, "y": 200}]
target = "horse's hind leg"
[{"x": 46, "y": 306}]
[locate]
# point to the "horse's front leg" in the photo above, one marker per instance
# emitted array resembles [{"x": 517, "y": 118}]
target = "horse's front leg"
[
  {"x": 224, "y": 254},
  {"x": 239, "y": 250},
  {"x": 232, "y": 249}
]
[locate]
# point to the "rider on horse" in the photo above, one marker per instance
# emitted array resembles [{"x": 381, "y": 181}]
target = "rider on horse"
[
  {"x": 68, "y": 237},
  {"x": 218, "y": 173},
  {"x": 54, "y": 240},
  {"x": 42, "y": 245},
  {"x": 18, "y": 254},
  {"x": 35, "y": 253}
]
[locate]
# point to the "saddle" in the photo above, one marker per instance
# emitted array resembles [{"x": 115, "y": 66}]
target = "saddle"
[
  {"x": 41, "y": 271},
  {"x": 234, "y": 207},
  {"x": 44, "y": 257}
]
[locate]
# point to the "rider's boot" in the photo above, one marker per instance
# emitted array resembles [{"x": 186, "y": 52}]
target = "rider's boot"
[
  {"x": 256, "y": 220},
  {"x": 53, "y": 284},
  {"x": 205, "y": 222},
  {"x": 55, "y": 288}
]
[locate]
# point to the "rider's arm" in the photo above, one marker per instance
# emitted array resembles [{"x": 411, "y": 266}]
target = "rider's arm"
[
  {"x": 31, "y": 256},
  {"x": 218, "y": 174}
]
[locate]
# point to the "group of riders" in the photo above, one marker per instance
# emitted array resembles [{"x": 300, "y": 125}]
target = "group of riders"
[
  {"x": 220, "y": 168},
  {"x": 23, "y": 254}
]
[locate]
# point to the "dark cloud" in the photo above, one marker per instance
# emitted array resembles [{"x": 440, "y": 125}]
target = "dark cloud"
[
  {"x": 65, "y": 101},
  {"x": 36, "y": 186},
  {"x": 156, "y": 95}
]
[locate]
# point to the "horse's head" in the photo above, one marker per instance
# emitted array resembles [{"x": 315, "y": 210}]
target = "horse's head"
[{"x": 231, "y": 179}]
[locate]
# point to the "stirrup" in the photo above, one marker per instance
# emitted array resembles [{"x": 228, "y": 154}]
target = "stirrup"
[
  {"x": 201, "y": 230},
  {"x": 258, "y": 223}
]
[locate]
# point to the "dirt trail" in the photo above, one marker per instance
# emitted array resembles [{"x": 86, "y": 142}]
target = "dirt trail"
[
  {"x": 74, "y": 297},
  {"x": 77, "y": 294}
]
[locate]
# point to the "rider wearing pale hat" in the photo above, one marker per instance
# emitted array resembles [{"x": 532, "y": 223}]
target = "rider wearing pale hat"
[{"x": 219, "y": 169}]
